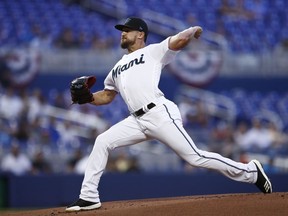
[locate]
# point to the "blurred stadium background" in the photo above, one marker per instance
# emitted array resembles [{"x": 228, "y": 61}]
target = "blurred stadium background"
[{"x": 231, "y": 85}]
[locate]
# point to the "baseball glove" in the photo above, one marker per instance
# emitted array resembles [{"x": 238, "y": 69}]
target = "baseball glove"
[{"x": 80, "y": 89}]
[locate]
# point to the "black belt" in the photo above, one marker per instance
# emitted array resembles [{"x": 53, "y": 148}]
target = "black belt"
[{"x": 141, "y": 111}]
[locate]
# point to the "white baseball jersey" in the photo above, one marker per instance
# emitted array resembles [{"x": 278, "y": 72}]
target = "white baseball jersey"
[{"x": 136, "y": 77}]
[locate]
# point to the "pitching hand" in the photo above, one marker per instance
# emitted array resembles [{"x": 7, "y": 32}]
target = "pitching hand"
[{"x": 198, "y": 32}]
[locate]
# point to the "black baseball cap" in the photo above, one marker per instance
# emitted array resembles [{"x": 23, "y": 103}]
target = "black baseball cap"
[{"x": 134, "y": 23}]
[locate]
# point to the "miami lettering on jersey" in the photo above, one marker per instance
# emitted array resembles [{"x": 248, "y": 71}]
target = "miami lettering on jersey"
[{"x": 121, "y": 68}]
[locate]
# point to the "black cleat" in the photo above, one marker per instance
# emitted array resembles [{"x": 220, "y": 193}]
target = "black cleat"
[
  {"x": 262, "y": 182},
  {"x": 83, "y": 205}
]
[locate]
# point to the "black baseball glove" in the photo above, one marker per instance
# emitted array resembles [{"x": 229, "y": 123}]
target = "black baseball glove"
[{"x": 80, "y": 89}]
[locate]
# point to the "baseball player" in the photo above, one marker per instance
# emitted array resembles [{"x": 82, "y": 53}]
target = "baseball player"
[{"x": 136, "y": 77}]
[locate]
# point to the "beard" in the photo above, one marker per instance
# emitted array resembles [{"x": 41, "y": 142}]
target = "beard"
[{"x": 126, "y": 43}]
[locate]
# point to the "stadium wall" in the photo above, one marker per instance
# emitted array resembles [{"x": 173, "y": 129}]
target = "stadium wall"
[
  {"x": 169, "y": 84},
  {"x": 59, "y": 190}
]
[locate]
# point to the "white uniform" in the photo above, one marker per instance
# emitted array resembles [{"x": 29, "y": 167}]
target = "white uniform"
[{"x": 136, "y": 77}]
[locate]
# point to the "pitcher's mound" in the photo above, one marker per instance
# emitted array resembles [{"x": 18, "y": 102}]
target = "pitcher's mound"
[{"x": 226, "y": 204}]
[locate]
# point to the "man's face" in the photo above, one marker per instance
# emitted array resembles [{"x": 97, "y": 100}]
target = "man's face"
[{"x": 128, "y": 38}]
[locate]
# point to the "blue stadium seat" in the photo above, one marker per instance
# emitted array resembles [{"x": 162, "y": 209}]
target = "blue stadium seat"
[{"x": 55, "y": 12}]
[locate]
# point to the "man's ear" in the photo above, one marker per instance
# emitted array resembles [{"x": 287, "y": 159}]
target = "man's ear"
[{"x": 141, "y": 35}]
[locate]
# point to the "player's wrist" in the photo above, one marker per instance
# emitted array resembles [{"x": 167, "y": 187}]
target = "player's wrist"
[{"x": 190, "y": 32}]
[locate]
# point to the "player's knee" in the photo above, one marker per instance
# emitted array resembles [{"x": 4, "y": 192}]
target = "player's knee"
[
  {"x": 102, "y": 141},
  {"x": 193, "y": 159}
]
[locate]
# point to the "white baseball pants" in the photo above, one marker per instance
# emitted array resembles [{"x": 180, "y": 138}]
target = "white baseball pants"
[{"x": 163, "y": 123}]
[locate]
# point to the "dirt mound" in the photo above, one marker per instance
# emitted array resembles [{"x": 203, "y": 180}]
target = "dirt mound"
[{"x": 226, "y": 204}]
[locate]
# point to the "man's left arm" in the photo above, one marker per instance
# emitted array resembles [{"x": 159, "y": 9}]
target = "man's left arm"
[{"x": 182, "y": 39}]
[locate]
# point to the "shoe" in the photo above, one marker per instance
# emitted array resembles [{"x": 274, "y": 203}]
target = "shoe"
[
  {"x": 262, "y": 182},
  {"x": 83, "y": 205}
]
